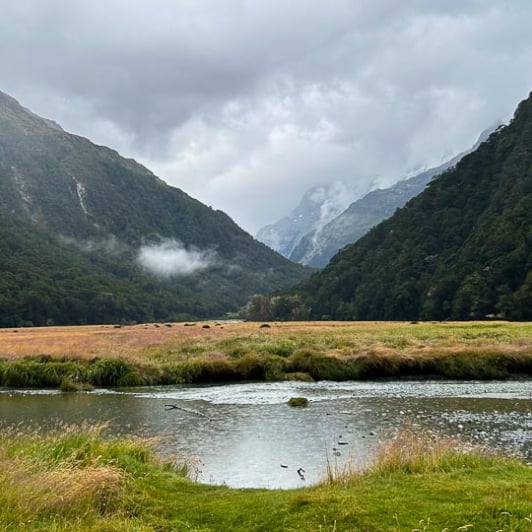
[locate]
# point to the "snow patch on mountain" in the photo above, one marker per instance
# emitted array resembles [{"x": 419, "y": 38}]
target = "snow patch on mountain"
[{"x": 319, "y": 205}]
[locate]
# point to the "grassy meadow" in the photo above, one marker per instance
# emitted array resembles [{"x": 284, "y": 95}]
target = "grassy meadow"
[
  {"x": 169, "y": 353},
  {"x": 74, "y": 479}
]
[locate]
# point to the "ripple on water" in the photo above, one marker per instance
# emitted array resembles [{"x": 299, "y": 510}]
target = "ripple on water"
[{"x": 280, "y": 392}]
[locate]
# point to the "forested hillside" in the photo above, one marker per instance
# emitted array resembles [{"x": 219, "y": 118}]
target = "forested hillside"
[
  {"x": 459, "y": 250},
  {"x": 87, "y": 236}
]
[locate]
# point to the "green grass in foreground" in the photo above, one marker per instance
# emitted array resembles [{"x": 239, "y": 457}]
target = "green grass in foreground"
[{"x": 74, "y": 479}]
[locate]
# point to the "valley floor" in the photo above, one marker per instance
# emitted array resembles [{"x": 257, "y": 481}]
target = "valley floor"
[
  {"x": 75, "y": 478},
  {"x": 170, "y": 353}
]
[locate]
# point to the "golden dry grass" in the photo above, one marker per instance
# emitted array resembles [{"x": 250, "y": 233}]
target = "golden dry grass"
[
  {"x": 41, "y": 479},
  {"x": 178, "y": 342},
  {"x": 65, "y": 490},
  {"x": 410, "y": 450}
]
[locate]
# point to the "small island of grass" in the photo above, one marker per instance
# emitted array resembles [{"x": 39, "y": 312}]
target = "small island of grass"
[{"x": 298, "y": 402}]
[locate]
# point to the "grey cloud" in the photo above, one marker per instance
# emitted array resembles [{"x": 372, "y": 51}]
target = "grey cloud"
[{"x": 246, "y": 104}]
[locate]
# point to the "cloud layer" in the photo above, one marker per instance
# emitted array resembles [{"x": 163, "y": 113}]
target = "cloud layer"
[{"x": 247, "y": 104}]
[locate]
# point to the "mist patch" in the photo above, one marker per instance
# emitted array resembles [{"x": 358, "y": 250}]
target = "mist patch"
[{"x": 170, "y": 258}]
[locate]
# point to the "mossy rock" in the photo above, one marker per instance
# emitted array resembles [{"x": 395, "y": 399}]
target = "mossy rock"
[
  {"x": 298, "y": 376},
  {"x": 68, "y": 385},
  {"x": 298, "y": 402}
]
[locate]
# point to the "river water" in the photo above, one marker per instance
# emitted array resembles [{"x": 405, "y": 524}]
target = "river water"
[{"x": 245, "y": 435}]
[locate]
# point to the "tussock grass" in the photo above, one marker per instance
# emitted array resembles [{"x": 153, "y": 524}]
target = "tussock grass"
[
  {"x": 340, "y": 473},
  {"x": 65, "y": 490},
  {"x": 411, "y": 450},
  {"x": 145, "y": 354},
  {"x": 66, "y": 472},
  {"x": 70, "y": 474}
]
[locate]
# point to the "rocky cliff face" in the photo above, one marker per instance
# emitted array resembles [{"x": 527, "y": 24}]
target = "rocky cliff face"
[{"x": 318, "y": 206}]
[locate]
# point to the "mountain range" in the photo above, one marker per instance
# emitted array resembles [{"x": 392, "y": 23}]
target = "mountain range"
[
  {"x": 317, "y": 247},
  {"x": 326, "y": 220},
  {"x": 318, "y": 206},
  {"x": 461, "y": 249},
  {"x": 87, "y": 236}
]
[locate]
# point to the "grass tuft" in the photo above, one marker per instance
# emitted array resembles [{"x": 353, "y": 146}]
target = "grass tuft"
[
  {"x": 413, "y": 451},
  {"x": 298, "y": 402}
]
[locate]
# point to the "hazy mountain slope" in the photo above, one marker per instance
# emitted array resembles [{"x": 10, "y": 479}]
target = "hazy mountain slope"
[
  {"x": 316, "y": 248},
  {"x": 317, "y": 207},
  {"x": 155, "y": 246},
  {"x": 459, "y": 250}
]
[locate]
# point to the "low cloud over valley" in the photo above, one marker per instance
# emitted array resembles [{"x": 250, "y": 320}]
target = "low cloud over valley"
[{"x": 170, "y": 258}]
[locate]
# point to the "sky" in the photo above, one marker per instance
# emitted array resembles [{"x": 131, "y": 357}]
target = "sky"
[{"x": 246, "y": 104}]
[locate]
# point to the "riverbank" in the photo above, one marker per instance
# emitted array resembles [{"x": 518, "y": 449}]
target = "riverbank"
[
  {"x": 174, "y": 353},
  {"x": 75, "y": 479}
]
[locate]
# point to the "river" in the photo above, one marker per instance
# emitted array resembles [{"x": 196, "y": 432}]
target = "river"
[{"x": 245, "y": 435}]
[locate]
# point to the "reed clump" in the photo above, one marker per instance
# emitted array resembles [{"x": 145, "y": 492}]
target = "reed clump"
[
  {"x": 70, "y": 475},
  {"x": 413, "y": 451},
  {"x": 69, "y": 385},
  {"x": 65, "y": 490},
  {"x": 68, "y": 471},
  {"x": 410, "y": 450}
]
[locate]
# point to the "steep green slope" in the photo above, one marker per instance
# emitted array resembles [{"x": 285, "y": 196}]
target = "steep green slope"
[
  {"x": 76, "y": 218},
  {"x": 44, "y": 282},
  {"x": 460, "y": 250}
]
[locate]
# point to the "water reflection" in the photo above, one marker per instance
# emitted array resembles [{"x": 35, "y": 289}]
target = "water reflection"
[{"x": 245, "y": 435}]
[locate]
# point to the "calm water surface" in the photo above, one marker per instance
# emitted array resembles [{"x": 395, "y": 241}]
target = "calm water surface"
[{"x": 245, "y": 435}]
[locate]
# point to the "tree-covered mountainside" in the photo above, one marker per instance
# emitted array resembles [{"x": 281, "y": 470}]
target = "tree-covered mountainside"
[
  {"x": 462, "y": 249},
  {"x": 87, "y": 236}
]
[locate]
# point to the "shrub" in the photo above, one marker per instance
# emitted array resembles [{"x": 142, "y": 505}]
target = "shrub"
[{"x": 113, "y": 372}]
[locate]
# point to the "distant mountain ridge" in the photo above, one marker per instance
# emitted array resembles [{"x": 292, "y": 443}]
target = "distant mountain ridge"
[
  {"x": 89, "y": 236},
  {"x": 318, "y": 206},
  {"x": 461, "y": 249},
  {"x": 320, "y": 245}
]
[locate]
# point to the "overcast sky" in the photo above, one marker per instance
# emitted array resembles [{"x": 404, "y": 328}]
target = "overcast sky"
[{"x": 246, "y": 104}]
